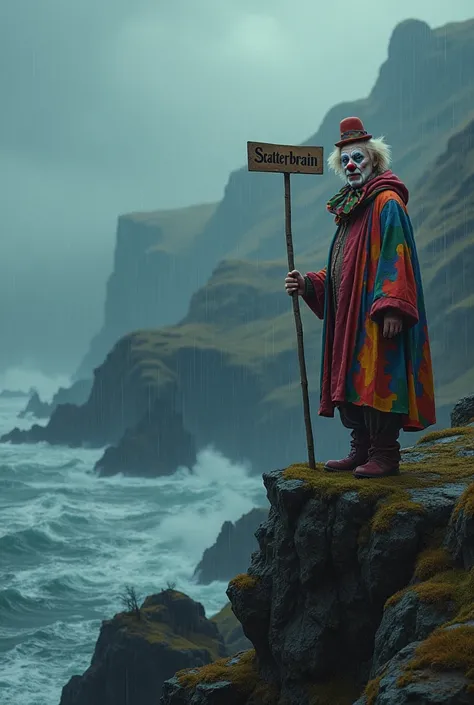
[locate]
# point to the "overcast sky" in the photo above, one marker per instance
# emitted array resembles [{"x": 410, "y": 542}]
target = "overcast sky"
[{"x": 110, "y": 106}]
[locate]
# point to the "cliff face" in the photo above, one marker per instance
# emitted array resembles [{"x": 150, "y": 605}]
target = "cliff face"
[
  {"x": 132, "y": 407},
  {"x": 230, "y": 553},
  {"x": 135, "y": 655},
  {"x": 424, "y": 92},
  {"x": 222, "y": 375},
  {"x": 77, "y": 394},
  {"x": 151, "y": 253},
  {"x": 234, "y": 353},
  {"x": 443, "y": 215},
  {"x": 360, "y": 590}
]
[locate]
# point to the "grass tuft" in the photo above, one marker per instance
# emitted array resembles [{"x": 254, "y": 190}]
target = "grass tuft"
[
  {"x": 432, "y": 561},
  {"x": 465, "y": 503},
  {"x": 441, "y": 464},
  {"x": 444, "y": 650},
  {"x": 241, "y": 670},
  {"x": 372, "y": 689},
  {"x": 244, "y": 581}
]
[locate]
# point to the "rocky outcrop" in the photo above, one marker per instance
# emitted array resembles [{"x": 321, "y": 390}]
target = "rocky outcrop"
[
  {"x": 212, "y": 371},
  {"x": 153, "y": 249},
  {"x": 36, "y": 407},
  {"x": 231, "y": 552},
  {"x": 135, "y": 654},
  {"x": 233, "y": 357},
  {"x": 157, "y": 445},
  {"x": 463, "y": 412},
  {"x": 361, "y": 591},
  {"x": 127, "y": 410},
  {"x": 77, "y": 394}
]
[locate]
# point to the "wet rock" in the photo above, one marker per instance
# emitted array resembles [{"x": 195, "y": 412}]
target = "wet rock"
[
  {"x": 231, "y": 552},
  {"x": 330, "y": 554},
  {"x": 133, "y": 657},
  {"x": 231, "y": 681},
  {"x": 408, "y": 620},
  {"x": 460, "y": 534},
  {"x": 158, "y": 445},
  {"x": 36, "y": 407},
  {"x": 463, "y": 411},
  {"x": 76, "y": 394},
  {"x": 429, "y": 687}
]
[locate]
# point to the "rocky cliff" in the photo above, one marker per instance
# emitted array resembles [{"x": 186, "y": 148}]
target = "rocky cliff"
[
  {"x": 151, "y": 253},
  {"x": 233, "y": 354},
  {"x": 216, "y": 375},
  {"x": 137, "y": 651},
  {"x": 77, "y": 394},
  {"x": 232, "y": 549},
  {"x": 132, "y": 408},
  {"x": 424, "y": 92},
  {"x": 360, "y": 592}
]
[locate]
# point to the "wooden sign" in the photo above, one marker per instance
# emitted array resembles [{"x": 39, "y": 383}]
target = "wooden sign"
[
  {"x": 284, "y": 159},
  {"x": 291, "y": 160}
]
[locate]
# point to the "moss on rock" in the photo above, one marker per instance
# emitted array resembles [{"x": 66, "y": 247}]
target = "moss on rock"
[
  {"x": 155, "y": 632},
  {"x": 240, "y": 670},
  {"x": 430, "y": 562},
  {"x": 398, "y": 503},
  {"x": 465, "y": 503},
  {"x": 443, "y": 650},
  {"x": 372, "y": 689},
  {"x": 439, "y": 589},
  {"x": 463, "y": 597},
  {"x": 443, "y": 433},
  {"x": 244, "y": 581},
  {"x": 441, "y": 464}
]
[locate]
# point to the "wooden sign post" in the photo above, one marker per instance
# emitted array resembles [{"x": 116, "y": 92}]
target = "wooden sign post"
[{"x": 291, "y": 160}]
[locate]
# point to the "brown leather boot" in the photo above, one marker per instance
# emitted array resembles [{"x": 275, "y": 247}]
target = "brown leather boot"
[
  {"x": 384, "y": 457},
  {"x": 358, "y": 454}
]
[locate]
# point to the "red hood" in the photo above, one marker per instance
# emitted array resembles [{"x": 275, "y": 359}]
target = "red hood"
[{"x": 387, "y": 181}]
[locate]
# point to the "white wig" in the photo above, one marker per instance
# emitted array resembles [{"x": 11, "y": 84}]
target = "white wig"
[{"x": 380, "y": 153}]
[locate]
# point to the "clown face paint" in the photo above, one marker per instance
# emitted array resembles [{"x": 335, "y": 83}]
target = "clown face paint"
[{"x": 357, "y": 164}]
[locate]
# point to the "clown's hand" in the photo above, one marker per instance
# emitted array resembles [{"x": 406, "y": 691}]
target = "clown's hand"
[{"x": 392, "y": 325}]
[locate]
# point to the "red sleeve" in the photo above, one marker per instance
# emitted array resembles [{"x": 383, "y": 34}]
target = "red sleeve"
[
  {"x": 403, "y": 308},
  {"x": 315, "y": 298}
]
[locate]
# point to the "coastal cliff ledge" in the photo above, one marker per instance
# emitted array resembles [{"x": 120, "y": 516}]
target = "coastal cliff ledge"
[
  {"x": 361, "y": 591},
  {"x": 139, "y": 649}
]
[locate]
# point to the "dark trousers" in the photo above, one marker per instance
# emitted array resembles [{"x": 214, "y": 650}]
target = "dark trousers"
[{"x": 370, "y": 423}]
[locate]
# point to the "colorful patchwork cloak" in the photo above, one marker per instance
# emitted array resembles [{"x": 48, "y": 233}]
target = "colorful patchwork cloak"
[{"x": 380, "y": 273}]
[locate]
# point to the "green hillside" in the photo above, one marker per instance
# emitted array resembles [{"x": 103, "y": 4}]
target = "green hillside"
[
  {"x": 244, "y": 315},
  {"x": 423, "y": 95}
]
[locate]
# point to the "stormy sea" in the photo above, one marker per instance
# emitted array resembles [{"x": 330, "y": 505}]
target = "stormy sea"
[{"x": 70, "y": 542}]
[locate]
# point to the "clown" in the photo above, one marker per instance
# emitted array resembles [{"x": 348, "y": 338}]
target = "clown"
[{"x": 376, "y": 361}]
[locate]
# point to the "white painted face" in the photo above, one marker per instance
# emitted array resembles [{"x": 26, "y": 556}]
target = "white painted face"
[{"x": 357, "y": 164}]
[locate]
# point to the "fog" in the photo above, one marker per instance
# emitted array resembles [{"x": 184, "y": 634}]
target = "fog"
[{"x": 111, "y": 106}]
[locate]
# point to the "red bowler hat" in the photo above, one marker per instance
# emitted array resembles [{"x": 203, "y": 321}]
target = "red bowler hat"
[{"x": 352, "y": 130}]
